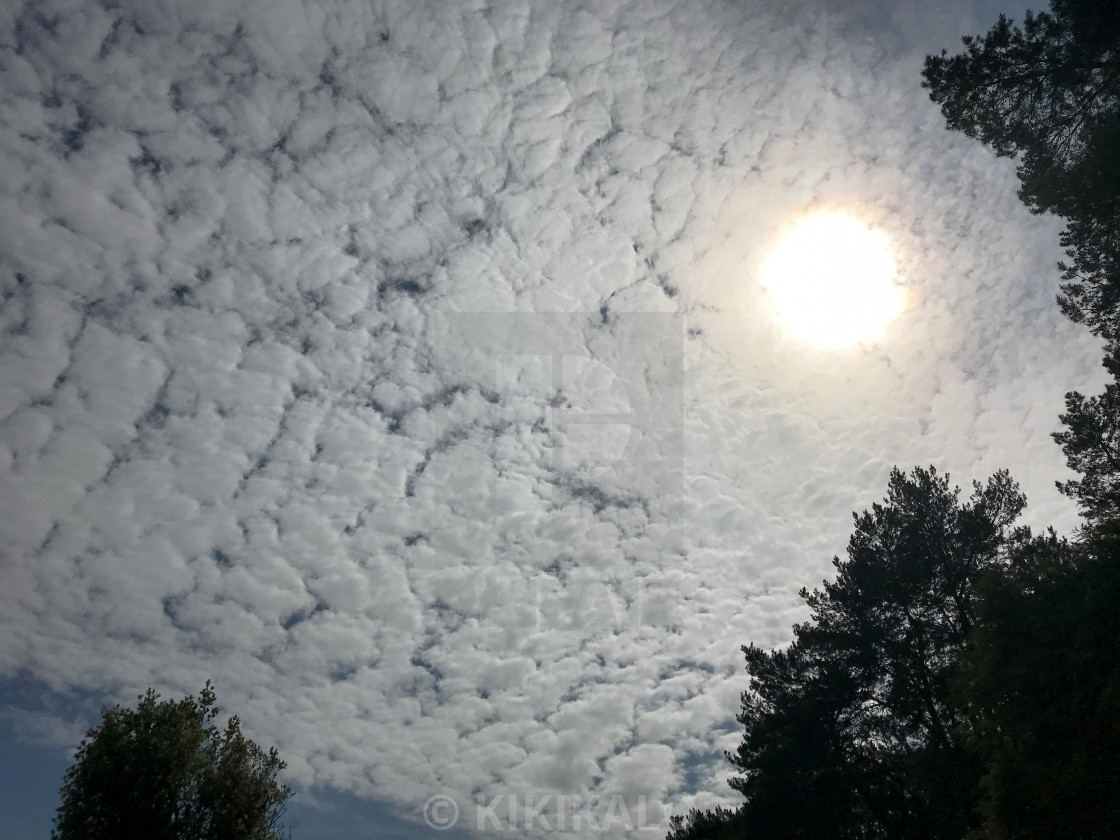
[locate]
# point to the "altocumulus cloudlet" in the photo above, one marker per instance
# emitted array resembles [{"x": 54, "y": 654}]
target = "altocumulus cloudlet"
[{"x": 407, "y": 368}]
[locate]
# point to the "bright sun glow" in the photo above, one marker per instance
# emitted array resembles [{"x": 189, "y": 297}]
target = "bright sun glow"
[{"x": 832, "y": 281}]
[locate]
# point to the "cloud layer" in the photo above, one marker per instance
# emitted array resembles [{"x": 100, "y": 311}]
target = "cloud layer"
[{"x": 406, "y": 368}]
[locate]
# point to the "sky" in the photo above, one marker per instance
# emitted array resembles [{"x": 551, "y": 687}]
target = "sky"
[{"x": 407, "y": 369}]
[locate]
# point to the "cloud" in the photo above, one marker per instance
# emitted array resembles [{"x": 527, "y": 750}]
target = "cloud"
[{"x": 282, "y": 402}]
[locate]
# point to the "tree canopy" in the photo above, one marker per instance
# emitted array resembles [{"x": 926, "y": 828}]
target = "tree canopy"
[
  {"x": 855, "y": 716},
  {"x": 1091, "y": 442},
  {"x": 165, "y": 771},
  {"x": 960, "y": 677},
  {"x": 1049, "y": 92},
  {"x": 1040, "y": 686}
]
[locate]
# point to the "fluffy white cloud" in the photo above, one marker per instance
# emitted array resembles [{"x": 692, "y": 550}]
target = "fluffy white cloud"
[{"x": 281, "y": 402}]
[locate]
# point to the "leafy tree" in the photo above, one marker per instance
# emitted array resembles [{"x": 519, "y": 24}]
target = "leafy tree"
[
  {"x": 717, "y": 824},
  {"x": 1049, "y": 91},
  {"x": 165, "y": 771},
  {"x": 1040, "y": 685},
  {"x": 850, "y": 731},
  {"x": 1091, "y": 443}
]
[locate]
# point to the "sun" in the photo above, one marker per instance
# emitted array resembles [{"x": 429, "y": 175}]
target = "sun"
[{"x": 832, "y": 281}]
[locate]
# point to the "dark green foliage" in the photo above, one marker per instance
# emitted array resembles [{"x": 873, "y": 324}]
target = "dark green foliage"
[
  {"x": 960, "y": 677},
  {"x": 717, "y": 824},
  {"x": 164, "y": 771},
  {"x": 849, "y": 732},
  {"x": 1041, "y": 686},
  {"x": 1049, "y": 91},
  {"x": 1040, "y": 682},
  {"x": 1091, "y": 443}
]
